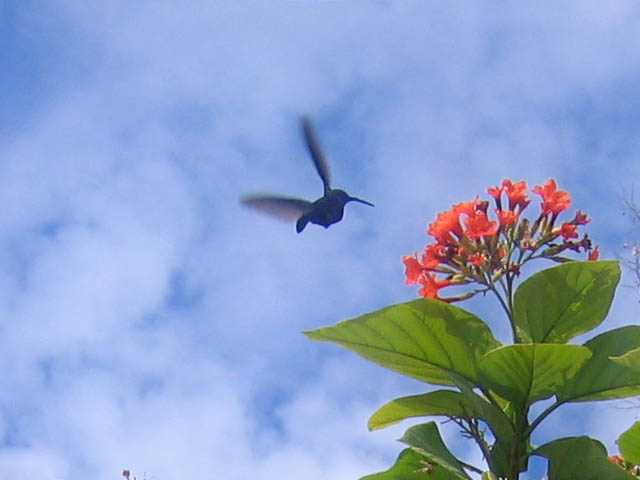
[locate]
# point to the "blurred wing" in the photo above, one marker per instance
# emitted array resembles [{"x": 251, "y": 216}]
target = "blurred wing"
[
  {"x": 283, "y": 208},
  {"x": 316, "y": 154}
]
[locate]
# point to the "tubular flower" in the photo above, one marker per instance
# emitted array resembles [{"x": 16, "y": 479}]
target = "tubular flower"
[
  {"x": 495, "y": 192},
  {"x": 553, "y": 200},
  {"x": 430, "y": 286},
  {"x": 516, "y": 193},
  {"x": 434, "y": 254},
  {"x": 580, "y": 218},
  {"x": 467, "y": 208},
  {"x": 471, "y": 247},
  {"x": 506, "y": 217},
  {"x": 568, "y": 230},
  {"x": 476, "y": 259},
  {"x": 446, "y": 225},
  {"x": 413, "y": 269},
  {"x": 479, "y": 225}
]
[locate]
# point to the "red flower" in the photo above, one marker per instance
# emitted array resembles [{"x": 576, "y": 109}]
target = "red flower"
[
  {"x": 468, "y": 208},
  {"x": 413, "y": 269},
  {"x": 568, "y": 230},
  {"x": 495, "y": 192},
  {"x": 430, "y": 285},
  {"x": 476, "y": 259},
  {"x": 446, "y": 224},
  {"x": 431, "y": 258},
  {"x": 433, "y": 255},
  {"x": 517, "y": 193},
  {"x": 479, "y": 225},
  {"x": 553, "y": 200},
  {"x": 470, "y": 247},
  {"x": 580, "y": 218},
  {"x": 506, "y": 217}
]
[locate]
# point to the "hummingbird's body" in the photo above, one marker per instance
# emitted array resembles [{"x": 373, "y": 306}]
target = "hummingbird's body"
[{"x": 325, "y": 211}]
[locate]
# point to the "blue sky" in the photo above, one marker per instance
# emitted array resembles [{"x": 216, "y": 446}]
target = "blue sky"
[{"x": 151, "y": 323}]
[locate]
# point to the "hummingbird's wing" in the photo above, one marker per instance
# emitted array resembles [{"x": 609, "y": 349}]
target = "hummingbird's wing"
[
  {"x": 316, "y": 154},
  {"x": 283, "y": 208}
]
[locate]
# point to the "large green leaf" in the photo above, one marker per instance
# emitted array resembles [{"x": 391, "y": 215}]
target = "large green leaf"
[
  {"x": 603, "y": 377},
  {"x": 556, "y": 304},
  {"x": 424, "y": 339},
  {"x": 491, "y": 413},
  {"x": 525, "y": 373},
  {"x": 412, "y": 465},
  {"x": 440, "y": 402},
  {"x": 425, "y": 438},
  {"x": 580, "y": 458},
  {"x": 629, "y": 443}
]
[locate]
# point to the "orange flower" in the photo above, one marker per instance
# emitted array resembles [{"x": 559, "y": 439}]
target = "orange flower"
[
  {"x": 495, "y": 192},
  {"x": 517, "y": 193},
  {"x": 464, "y": 236},
  {"x": 413, "y": 269},
  {"x": 580, "y": 218},
  {"x": 506, "y": 217},
  {"x": 468, "y": 208},
  {"x": 479, "y": 225},
  {"x": 433, "y": 255},
  {"x": 568, "y": 230},
  {"x": 553, "y": 200},
  {"x": 430, "y": 285},
  {"x": 476, "y": 259},
  {"x": 446, "y": 224}
]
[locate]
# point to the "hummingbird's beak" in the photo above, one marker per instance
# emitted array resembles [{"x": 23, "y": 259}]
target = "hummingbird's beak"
[{"x": 354, "y": 199}]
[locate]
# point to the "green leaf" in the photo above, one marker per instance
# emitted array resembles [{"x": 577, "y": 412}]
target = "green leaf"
[
  {"x": 425, "y": 438},
  {"x": 525, "y": 373},
  {"x": 499, "y": 422},
  {"x": 581, "y": 458},
  {"x": 631, "y": 360},
  {"x": 412, "y": 465},
  {"x": 603, "y": 377},
  {"x": 629, "y": 444},
  {"x": 440, "y": 402},
  {"x": 424, "y": 339},
  {"x": 556, "y": 304}
]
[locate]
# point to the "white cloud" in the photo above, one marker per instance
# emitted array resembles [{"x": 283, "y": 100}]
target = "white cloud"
[{"x": 153, "y": 324}]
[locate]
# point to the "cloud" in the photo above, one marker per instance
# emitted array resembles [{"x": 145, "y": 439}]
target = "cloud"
[{"x": 151, "y": 323}]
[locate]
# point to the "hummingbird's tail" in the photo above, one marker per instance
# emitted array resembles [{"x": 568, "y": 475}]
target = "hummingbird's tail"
[{"x": 301, "y": 223}]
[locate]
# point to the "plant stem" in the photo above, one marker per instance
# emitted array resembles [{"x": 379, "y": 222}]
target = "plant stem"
[
  {"x": 541, "y": 417},
  {"x": 470, "y": 467}
]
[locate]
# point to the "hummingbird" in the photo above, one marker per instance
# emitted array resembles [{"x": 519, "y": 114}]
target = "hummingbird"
[{"x": 325, "y": 211}]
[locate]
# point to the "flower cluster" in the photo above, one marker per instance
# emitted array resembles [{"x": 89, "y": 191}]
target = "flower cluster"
[{"x": 471, "y": 247}]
